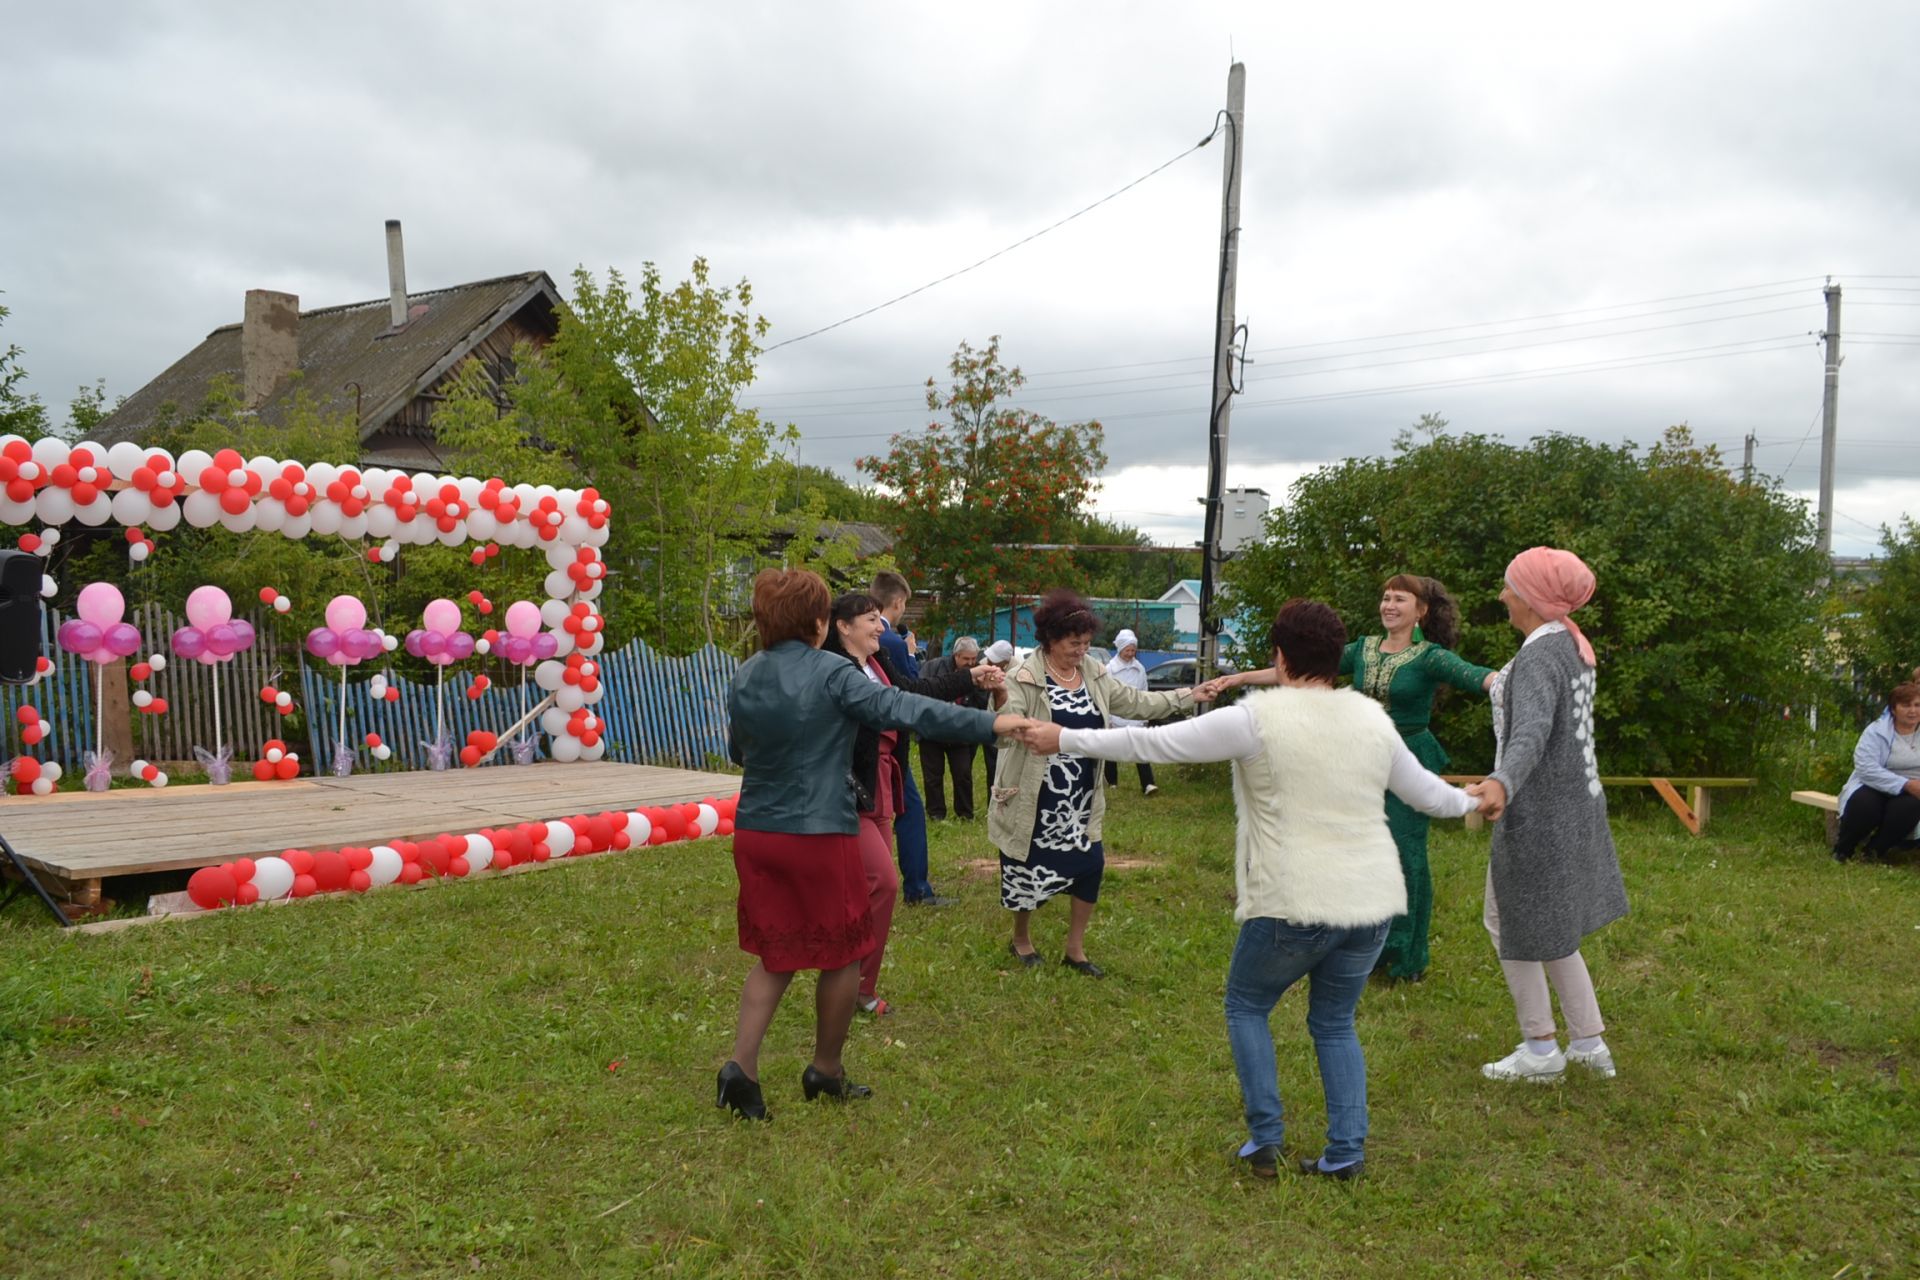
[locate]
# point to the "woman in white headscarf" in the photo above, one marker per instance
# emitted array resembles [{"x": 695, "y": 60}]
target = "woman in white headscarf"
[{"x": 1125, "y": 667}]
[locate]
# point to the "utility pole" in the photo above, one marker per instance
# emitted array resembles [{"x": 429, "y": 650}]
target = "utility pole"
[
  {"x": 1746, "y": 467},
  {"x": 1220, "y": 406},
  {"x": 1829, "y": 417}
]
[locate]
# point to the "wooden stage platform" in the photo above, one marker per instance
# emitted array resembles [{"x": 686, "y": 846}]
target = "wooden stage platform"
[{"x": 76, "y": 839}]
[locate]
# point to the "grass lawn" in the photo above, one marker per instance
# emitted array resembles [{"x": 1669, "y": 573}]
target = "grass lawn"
[{"x": 514, "y": 1076}]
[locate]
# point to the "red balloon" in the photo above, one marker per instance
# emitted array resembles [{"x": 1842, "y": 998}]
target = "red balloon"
[
  {"x": 725, "y": 828},
  {"x": 287, "y": 769},
  {"x": 26, "y": 770},
  {"x": 304, "y": 887},
  {"x": 243, "y": 869},
  {"x": 26, "y": 715},
  {"x": 619, "y": 818},
  {"x": 262, "y": 771},
  {"x": 458, "y": 866},
  {"x": 621, "y": 840},
  {"x": 470, "y": 757},
  {"x": 658, "y": 836},
  {"x": 357, "y": 859},
  {"x": 501, "y": 861},
  {"x": 211, "y": 887},
  {"x": 329, "y": 871},
  {"x": 411, "y": 873},
  {"x": 359, "y": 881},
  {"x": 582, "y": 845},
  {"x": 540, "y": 851},
  {"x": 300, "y": 860},
  {"x": 248, "y": 894},
  {"x": 519, "y": 845}
]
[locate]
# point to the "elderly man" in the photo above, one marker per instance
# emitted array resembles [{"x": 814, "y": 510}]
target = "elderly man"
[
  {"x": 1125, "y": 667},
  {"x": 1000, "y": 654},
  {"x": 936, "y": 758}
]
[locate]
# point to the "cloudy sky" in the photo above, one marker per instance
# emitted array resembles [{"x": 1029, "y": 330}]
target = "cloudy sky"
[{"x": 1601, "y": 221}]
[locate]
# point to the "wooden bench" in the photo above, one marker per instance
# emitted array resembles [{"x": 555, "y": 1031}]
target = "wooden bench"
[
  {"x": 1821, "y": 800},
  {"x": 1693, "y": 812}
]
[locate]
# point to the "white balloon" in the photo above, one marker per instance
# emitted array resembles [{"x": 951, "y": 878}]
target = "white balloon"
[
  {"x": 386, "y": 864},
  {"x": 298, "y": 526},
  {"x": 598, "y": 537},
  {"x": 164, "y": 517},
  {"x": 563, "y": 642},
  {"x": 192, "y": 463},
  {"x": 137, "y": 552},
  {"x": 130, "y": 507},
  {"x": 550, "y": 675},
  {"x": 326, "y": 518},
  {"x": 569, "y": 698},
  {"x": 554, "y": 721},
  {"x": 95, "y": 513},
  {"x": 54, "y": 504},
  {"x": 269, "y": 515},
  {"x": 709, "y": 819},
  {"x": 125, "y": 458},
  {"x": 559, "y": 557},
  {"x": 237, "y": 522},
  {"x": 564, "y": 749},
  {"x": 560, "y": 838},
  {"x": 592, "y": 644},
  {"x": 354, "y": 527},
  {"x": 12, "y": 512},
  {"x": 322, "y": 474},
  {"x": 157, "y": 661},
  {"x": 201, "y": 509},
  {"x": 595, "y": 751},
  {"x": 264, "y": 467},
  {"x": 43, "y": 786},
  {"x": 557, "y": 584},
  {"x": 479, "y": 852},
  {"x": 381, "y": 521},
  {"x": 639, "y": 828},
  {"x": 52, "y": 769},
  {"x": 450, "y": 537},
  {"x": 273, "y": 877},
  {"x": 50, "y": 451},
  {"x": 50, "y": 536},
  {"x": 48, "y": 587},
  {"x": 481, "y": 526},
  {"x": 592, "y": 590},
  {"x": 159, "y": 779},
  {"x": 574, "y": 530}
]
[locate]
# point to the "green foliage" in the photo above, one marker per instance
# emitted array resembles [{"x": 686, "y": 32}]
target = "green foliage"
[
  {"x": 1154, "y": 635},
  {"x": 988, "y": 474},
  {"x": 1881, "y": 622},
  {"x": 1705, "y": 620},
  {"x": 638, "y": 396},
  {"x": 795, "y": 484},
  {"x": 1123, "y": 575}
]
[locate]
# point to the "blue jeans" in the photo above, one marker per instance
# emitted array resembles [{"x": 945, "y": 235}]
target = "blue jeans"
[
  {"x": 1270, "y": 956},
  {"x": 910, "y": 840}
]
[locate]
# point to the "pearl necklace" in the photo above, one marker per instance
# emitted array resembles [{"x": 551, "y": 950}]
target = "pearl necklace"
[{"x": 1054, "y": 671}]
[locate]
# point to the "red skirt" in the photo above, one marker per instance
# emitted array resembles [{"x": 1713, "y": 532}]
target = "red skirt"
[{"x": 803, "y": 899}]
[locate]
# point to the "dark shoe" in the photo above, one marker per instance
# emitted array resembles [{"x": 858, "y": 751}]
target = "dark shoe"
[
  {"x": 933, "y": 900},
  {"x": 817, "y": 1083},
  {"x": 1310, "y": 1165},
  {"x": 741, "y": 1094},
  {"x": 1087, "y": 967},
  {"x": 1031, "y": 959},
  {"x": 1264, "y": 1161}
]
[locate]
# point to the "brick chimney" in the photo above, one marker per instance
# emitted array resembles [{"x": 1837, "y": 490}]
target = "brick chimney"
[
  {"x": 396, "y": 275},
  {"x": 269, "y": 343}
]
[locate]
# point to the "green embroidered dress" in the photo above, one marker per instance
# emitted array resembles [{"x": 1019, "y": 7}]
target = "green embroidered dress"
[{"x": 1405, "y": 683}]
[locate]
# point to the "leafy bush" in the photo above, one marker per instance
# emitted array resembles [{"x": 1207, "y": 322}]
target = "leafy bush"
[{"x": 1705, "y": 620}]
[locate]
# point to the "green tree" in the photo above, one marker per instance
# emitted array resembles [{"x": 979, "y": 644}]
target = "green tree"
[
  {"x": 987, "y": 474},
  {"x": 1705, "y": 619},
  {"x": 1880, "y": 622}
]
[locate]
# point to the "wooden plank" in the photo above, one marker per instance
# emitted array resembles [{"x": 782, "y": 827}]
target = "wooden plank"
[
  {"x": 1625, "y": 780},
  {"x": 1818, "y": 799},
  {"x": 1687, "y": 816}
]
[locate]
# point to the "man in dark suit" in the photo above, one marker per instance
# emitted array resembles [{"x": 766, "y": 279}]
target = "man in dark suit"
[
  {"x": 937, "y": 759},
  {"x": 891, "y": 591}
]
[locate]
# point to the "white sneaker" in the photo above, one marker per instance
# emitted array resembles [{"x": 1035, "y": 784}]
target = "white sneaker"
[
  {"x": 1599, "y": 1061},
  {"x": 1151, "y": 788},
  {"x": 1524, "y": 1064}
]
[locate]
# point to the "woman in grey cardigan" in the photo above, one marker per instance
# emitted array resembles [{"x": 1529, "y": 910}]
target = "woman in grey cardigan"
[{"x": 1553, "y": 876}]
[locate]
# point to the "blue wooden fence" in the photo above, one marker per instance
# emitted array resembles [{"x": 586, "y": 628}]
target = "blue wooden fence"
[{"x": 658, "y": 709}]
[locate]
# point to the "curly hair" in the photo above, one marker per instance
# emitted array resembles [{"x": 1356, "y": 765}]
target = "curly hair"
[
  {"x": 1442, "y": 621},
  {"x": 1309, "y": 636},
  {"x": 1062, "y": 613},
  {"x": 788, "y": 604}
]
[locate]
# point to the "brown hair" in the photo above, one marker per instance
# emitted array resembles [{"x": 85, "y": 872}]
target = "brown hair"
[
  {"x": 1061, "y": 614},
  {"x": 1309, "y": 636},
  {"x": 1907, "y": 691},
  {"x": 788, "y": 604},
  {"x": 888, "y": 588},
  {"x": 1442, "y": 623}
]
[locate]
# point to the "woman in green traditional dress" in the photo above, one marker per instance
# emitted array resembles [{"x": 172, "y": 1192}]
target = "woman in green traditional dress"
[{"x": 1404, "y": 669}]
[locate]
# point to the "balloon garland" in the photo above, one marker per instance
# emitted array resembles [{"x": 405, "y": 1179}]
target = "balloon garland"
[
  {"x": 301, "y": 873},
  {"x": 144, "y": 489}
]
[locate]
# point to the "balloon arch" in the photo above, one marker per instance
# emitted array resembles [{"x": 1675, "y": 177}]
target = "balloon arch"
[{"x": 51, "y": 483}]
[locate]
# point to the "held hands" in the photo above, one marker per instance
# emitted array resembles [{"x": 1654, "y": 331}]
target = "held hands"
[
  {"x": 1012, "y": 726},
  {"x": 1492, "y": 797},
  {"x": 987, "y": 676},
  {"x": 1212, "y": 689},
  {"x": 1042, "y": 737}
]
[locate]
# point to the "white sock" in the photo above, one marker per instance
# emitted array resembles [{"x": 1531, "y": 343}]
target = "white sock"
[
  {"x": 1586, "y": 1044},
  {"x": 1543, "y": 1048}
]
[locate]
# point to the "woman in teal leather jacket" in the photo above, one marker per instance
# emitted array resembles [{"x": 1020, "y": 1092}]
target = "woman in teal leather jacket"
[{"x": 803, "y": 891}]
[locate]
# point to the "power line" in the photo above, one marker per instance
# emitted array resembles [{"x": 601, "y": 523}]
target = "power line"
[{"x": 814, "y": 333}]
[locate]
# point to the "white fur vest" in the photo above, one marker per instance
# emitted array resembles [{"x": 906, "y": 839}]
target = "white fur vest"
[{"x": 1313, "y": 845}]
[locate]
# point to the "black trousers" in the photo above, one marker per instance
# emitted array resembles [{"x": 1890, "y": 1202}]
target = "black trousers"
[
  {"x": 936, "y": 759},
  {"x": 1884, "y": 821},
  {"x": 1146, "y": 774}
]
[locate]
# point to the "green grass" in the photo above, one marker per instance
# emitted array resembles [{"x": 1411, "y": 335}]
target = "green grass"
[{"x": 421, "y": 1082}]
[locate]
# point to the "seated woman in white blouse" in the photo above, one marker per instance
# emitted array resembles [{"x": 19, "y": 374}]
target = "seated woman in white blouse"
[{"x": 1317, "y": 873}]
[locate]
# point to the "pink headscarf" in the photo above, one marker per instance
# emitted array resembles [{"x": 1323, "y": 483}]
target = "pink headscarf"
[{"x": 1553, "y": 583}]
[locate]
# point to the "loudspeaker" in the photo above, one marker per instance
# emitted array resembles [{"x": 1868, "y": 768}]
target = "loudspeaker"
[{"x": 20, "y": 574}]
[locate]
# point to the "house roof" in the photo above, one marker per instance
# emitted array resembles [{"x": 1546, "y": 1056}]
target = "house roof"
[
  {"x": 345, "y": 347},
  {"x": 1190, "y": 586}
]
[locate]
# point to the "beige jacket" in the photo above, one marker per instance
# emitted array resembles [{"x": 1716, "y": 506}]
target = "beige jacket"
[{"x": 1017, "y": 781}]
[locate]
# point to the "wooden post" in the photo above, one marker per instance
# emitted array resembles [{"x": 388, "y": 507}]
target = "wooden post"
[
  {"x": 1702, "y": 806},
  {"x": 116, "y": 712}
]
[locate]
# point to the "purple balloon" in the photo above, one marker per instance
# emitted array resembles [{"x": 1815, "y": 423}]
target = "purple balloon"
[
  {"x": 414, "y": 637},
  {"x": 460, "y": 646},
  {"x": 77, "y": 635},
  {"x": 189, "y": 642},
  {"x": 223, "y": 640},
  {"x": 323, "y": 642},
  {"x": 244, "y": 630},
  {"x": 545, "y": 645},
  {"x": 122, "y": 639},
  {"x": 361, "y": 644},
  {"x": 433, "y": 643},
  {"x": 519, "y": 650}
]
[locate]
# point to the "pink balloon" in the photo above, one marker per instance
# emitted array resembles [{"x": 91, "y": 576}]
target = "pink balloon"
[
  {"x": 523, "y": 618},
  {"x": 101, "y": 604},
  {"x": 208, "y": 607},
  {"x": 441, "y": 615},
  {"x": 346, "y": 613}
]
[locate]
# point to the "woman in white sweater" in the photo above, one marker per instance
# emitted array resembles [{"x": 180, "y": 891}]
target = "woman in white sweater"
[{"x": 1317, "y": 873}]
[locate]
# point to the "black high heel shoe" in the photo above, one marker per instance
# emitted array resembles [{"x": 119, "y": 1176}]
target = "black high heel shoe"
[
  {"x": 816, "y": 1083},
  {"x": 741, "y": 1094}
]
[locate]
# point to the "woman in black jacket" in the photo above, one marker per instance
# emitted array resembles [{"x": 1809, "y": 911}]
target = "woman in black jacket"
[{"x": 853, "y": 631}]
